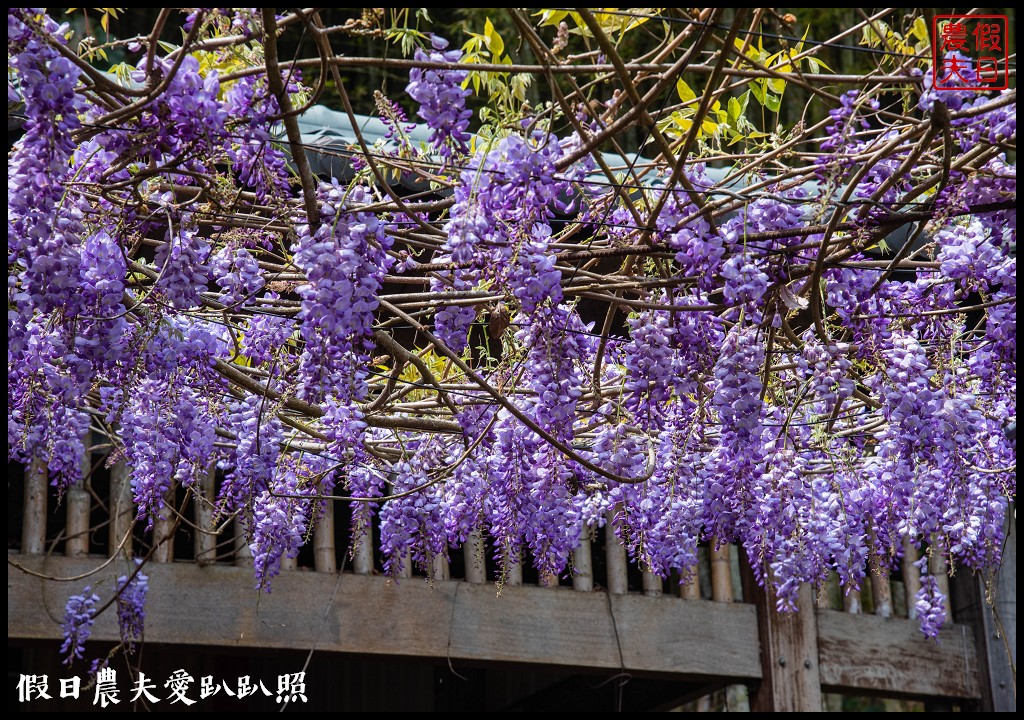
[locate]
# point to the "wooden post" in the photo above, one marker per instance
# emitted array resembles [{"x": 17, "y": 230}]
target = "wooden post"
[
  {"x": 721, "y": 574},
  {"x": 995, "y": 633},
  {"x": 583, "y": 567},
  {"x": 33, "y": 523},
  {"x": 473, "y": 555},
  {"x": 789, "y": 656},
  {"x": 911, "y": 577},
  {"x": 324, "y": 557},
  {"x": 615, "y": 557},
  {"x": 205, "y": 542},
  {"x": 121, "y": 506}
]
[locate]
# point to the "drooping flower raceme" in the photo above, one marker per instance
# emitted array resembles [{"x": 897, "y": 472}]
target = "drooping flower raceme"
[
  {"x": 131, "y": 608},
  {"x": 79, "y": 616},
  {"x": 442, "y": 99}
]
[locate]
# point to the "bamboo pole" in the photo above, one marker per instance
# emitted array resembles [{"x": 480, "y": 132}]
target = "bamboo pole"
[
  {"x": 205, "y": 542},
  {"x": 77, "y": 523},
  {"x": 33, "y": 524},
  {"x": 547, "y": 579},
  {"x": 736, "y": 696},
  {"x": 939, "y": 568},
  {"x": 615, "y": 556},
  {"x": 289, "y": 563},
  {"x": 439, "y": 568},
  {"x": 324, "y": 555},
  {"x": 881, "y": 591},
  {"x": 121, "y": 505},
  {"x": 514, "y": 574},
  {"x": 691, "y": 590},
  {"x": 823, "y": 599},
  {"x": 721, "y": 573},
  {"x": 473, "y": 555},
  {"x": 406, "y": 571},
  {"x": 911, "y": 577},
  {"x": 243, "y": 553},
  {"x": 362, "y": 551},
  {"x": 163, "y": 531},
  {"x": 851, "y": 601},
  {"x": 583, "y": 565},
  {"x": 652, "y": 584}
]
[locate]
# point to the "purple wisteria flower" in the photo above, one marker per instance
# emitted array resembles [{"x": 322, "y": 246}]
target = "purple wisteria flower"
[{"x": 79, "y": 616}]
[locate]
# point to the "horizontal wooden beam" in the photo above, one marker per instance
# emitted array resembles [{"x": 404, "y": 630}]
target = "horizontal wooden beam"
[
  {"x": 890, "y": 656},
  {"x": 217, "y": 605}
]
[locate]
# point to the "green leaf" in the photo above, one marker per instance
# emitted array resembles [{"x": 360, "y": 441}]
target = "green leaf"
[
  {"x": 757, "y": 90},
  {"x": 551, "y": 17},
  {"x": 773, "y": 102},
  {"x": 919, "y": 29},
  {"x": 686, "y": 94},
  {"x": 737, "y": 107},
  {"x": 494, "y": 41},
  {"x": 815, "y": 65}
]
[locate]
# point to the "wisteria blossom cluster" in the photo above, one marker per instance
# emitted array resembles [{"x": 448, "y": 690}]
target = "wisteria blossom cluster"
[
  {"x": 525, "y": 351},
  {"x": 79, "y": 617}
]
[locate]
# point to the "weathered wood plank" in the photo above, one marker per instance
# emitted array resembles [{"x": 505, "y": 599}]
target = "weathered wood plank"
[
  {"x": 532, "y": 624},
  {"x": 789, "y": 659},
  {"x": 217, "y": 605},
  {"x": 691, "y": 638},
  {"x": 890, "y": 656}
]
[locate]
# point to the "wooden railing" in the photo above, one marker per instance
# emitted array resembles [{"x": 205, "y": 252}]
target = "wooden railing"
[{"x": 718, "y": 628}]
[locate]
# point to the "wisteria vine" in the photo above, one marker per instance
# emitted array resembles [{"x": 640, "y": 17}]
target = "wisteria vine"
[{"x": 528, "y": 351}]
